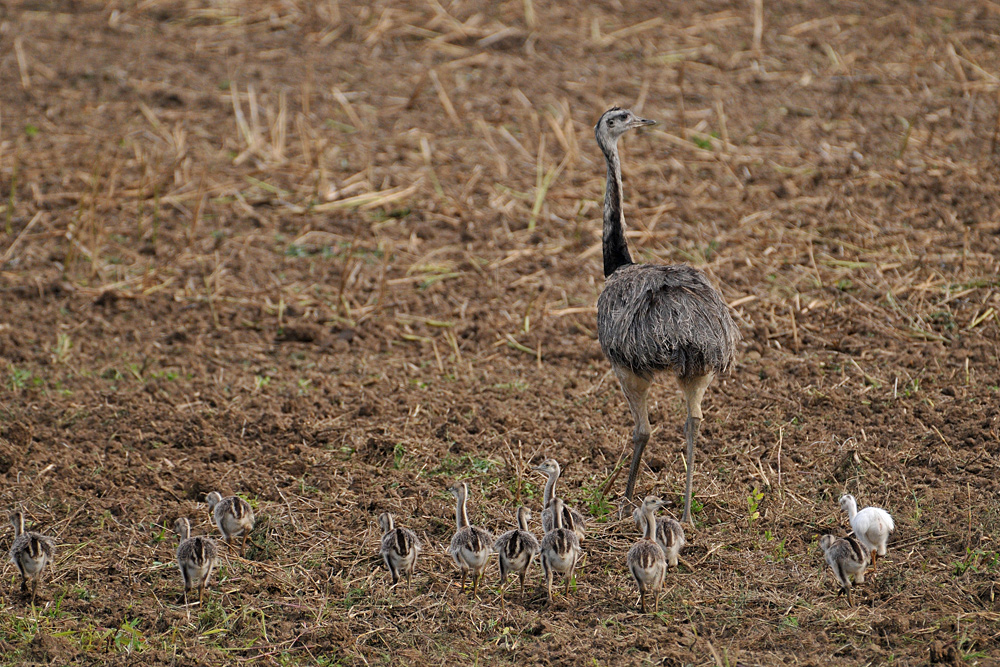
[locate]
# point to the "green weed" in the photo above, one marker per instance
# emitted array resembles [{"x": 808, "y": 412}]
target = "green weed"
[{"x": 753, "y": 503}]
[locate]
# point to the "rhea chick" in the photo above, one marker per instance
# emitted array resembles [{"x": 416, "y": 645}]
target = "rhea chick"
[
  {"x": 847, "y": 559},
  {"x": 30, "y": 552},
  {"x": 871, "y": 526},
  {"x": 669, "y": 534},
  {"x": 571, "y": 517},
  {"x": 196, "y": 557},
  {"x": 646, "y": 560},
  {"x": 560, "y": 549},
  {"x": 517, "y": 548},
  {"x": 233, "y": 516},
  {"x": 471, "y": 546},
  {"x": 400, "y": 548}
]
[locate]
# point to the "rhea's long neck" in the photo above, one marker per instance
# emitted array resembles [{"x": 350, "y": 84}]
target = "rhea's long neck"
[
  {"x": 522, "y": 519},
  {"x": 550, "y": 488},
  {"x": 615, "y": 248},
  {"x": 852, "y": 508},
  {"x": 650, "y": 532},
  {"x": 461, "y": 517}
]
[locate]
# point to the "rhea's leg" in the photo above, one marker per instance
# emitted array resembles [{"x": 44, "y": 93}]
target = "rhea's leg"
[
  {"x": 503, "y": 582},
  {"x": 394, "y": 571},
  {"x": 24, "y": 576},
  {"x": 694, "y": 391},
  {"x": 636, "y": 390},
  {"x": 691, "y": 427}
]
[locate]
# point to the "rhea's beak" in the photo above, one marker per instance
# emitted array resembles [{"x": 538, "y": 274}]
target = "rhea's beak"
[{"x": 638, "y": 122}]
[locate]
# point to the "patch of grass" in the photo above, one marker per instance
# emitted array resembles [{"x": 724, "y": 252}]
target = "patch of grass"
[
  {"x": 598, "y": 504},
  {"x": 515, "y": 386},
  {"x": 753, "y": 505},
  {"x": 480, "y": 464},
  {"x": 18, "y": 378},
  {"x": 844, "y": 285},
  {"x": 696, "y": 505},
  {"x": 977, "y": 560},
  {"x": 779, "y": 552},
  {"x": 261, "y": 545},
  {"x": 789, "y": 623},
  {"x": 128, "y": 638},
  {"x": 701, "y": 142},
  {"x": 212, "y": 617}
]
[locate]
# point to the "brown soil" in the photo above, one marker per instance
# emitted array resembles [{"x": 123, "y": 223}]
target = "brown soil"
[{"x": 335, "y": 257}]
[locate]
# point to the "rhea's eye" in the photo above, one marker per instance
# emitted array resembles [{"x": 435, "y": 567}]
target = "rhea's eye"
[{"x": 611, "y": 122}]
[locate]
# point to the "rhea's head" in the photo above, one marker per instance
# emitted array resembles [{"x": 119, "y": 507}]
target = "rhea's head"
[
  {"x": 548, "y": 467},
  {"x": 847, "y": 502},
  {"x": 652, "y": 503},
  {"x": 614, "y": 123}
]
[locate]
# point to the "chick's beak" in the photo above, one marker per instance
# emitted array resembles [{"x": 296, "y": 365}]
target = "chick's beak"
[{"x": 638, "y": 122}]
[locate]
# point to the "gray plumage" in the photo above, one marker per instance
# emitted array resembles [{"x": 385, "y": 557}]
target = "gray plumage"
[
  {"x": 30, "y": 552},
  {"x": 233, "y": 517},
  {"x": 572, "y": 518},
  {"x": 847, "y": 558},
  {"x": 400, "y": 548},
  {"x": 516, "y": 548},
  {"x": 646, "y": 560},
  {"x": 560, "y": 550},
  {"x": 653, "y": 318},
  {"x": 471, "y": 546},
  {"x": 669, "y": 534},
  {"x": 196, "y": 558}
]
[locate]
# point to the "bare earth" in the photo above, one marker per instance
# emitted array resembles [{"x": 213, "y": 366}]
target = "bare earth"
[{"x": 336, "y": 257}]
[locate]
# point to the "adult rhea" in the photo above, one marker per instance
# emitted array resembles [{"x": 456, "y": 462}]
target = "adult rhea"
[{"x": 653, "y": 318}]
